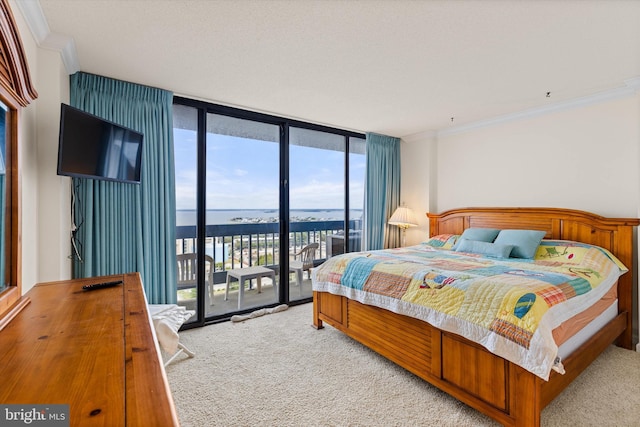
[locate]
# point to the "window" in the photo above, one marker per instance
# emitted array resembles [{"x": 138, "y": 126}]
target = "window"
[
  {"x": 258, "y": 191},
  {"x": 17, "y": 92}
]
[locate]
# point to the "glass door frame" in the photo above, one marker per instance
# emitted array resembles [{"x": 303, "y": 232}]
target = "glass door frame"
[{"x": 203, "y": 108}]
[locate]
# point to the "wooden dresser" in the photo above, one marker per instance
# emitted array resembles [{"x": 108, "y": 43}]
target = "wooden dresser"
[{"x": 93, "y": 350}]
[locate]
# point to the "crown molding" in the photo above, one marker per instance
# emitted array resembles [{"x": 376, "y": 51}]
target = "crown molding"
[
  {"x": 631, "y": 87},
  {"x": 429, "y": 135},
  {"x": 633, "y": 83},
  {"x": 33, "y": 15}
]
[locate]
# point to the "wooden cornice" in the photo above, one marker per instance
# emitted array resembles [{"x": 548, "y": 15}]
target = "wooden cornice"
[{"x": 14, "y": 71}]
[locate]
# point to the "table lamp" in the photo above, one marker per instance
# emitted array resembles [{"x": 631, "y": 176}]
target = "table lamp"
[{"x": 404, "y": 218}]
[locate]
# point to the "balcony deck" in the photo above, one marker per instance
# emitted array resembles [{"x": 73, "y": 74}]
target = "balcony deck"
[
  {"x": 251, "y": 299},
  {"x": 232, "y": 246}
]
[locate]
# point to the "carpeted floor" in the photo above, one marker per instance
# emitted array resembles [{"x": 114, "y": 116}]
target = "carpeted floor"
[{"x": 276, "y": 370}]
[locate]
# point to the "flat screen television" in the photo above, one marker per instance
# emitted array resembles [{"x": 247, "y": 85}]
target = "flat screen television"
[{"x": 91, "y": 147}]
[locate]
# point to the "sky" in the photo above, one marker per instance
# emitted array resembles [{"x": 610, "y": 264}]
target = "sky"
[{"x": 243, "y": 174}]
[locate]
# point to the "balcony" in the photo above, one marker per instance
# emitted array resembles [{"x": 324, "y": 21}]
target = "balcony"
[{"x": 233, "y": 246}]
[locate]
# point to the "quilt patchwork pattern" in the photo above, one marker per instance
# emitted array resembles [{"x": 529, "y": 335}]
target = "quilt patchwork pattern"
[{"x": 508, "y": 305}]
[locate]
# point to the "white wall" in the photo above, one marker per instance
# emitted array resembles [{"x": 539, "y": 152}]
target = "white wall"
[
  {"x": 584, "y": 158},
  {"x": 53, "y": 190},
  {"x": 44, "y": 195},
  {"x": 419, "y": 156}
]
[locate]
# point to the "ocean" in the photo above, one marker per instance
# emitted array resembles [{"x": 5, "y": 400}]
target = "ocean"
[
  {"x": 185, "y": 217},
  {"x": 235, "y": 216}
]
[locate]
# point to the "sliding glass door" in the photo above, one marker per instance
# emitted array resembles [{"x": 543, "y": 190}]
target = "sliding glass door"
[
  {"x": 185, "y": 137},
  {"x": 242, "y": 212},
  {"x": 316, "y": 201},
  {"x": 319, "y": 211},
  {"x": 355, "y": 185},
  {"x": 261, "y": 201}
]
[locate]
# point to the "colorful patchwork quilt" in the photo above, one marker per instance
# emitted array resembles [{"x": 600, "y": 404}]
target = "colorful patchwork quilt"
[{"x": 509, "y": 306}]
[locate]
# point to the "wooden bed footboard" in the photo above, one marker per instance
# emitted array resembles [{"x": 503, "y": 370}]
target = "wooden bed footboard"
[
  {"x": 467, "y": 371},
  {"x": 496, "y": 387}
]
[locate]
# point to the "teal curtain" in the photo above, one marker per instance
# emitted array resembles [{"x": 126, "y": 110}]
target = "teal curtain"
[
  {"x": 122, "y": 227},
  {"x": 382, "y": 191}
]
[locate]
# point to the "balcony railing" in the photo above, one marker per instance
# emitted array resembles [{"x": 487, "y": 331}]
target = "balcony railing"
[{"x": 244, "y": 245}]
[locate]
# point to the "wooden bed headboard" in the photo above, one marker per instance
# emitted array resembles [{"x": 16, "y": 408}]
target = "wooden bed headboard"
[{"x": 613, "y": 234}]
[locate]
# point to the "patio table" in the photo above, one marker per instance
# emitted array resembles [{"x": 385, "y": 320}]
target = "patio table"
[{"x": 248, "y": 273}]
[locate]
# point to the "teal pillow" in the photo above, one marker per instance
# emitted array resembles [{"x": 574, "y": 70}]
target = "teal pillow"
[
  {"x": 478, "y": 234},
  {"x": 494, "y": 250},
  {"x": 525, "y": 242}
]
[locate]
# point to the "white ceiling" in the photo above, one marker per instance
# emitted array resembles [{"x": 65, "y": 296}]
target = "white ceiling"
[{"x": 392, "y": 67}]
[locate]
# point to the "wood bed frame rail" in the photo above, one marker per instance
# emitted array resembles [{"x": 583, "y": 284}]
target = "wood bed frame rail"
[{"x": 467, "y": 371}]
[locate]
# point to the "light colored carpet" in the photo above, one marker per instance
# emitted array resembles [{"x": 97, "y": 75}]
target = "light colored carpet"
[{"x": 276, "y": 370}]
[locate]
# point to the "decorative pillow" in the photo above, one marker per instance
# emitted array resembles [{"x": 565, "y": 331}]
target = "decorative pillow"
[
  {"x": 569, "y": 251},
  {"x": 525, "y": 242},
  {"x": 559, "y": 250},
  {"x": 479, "y": 234},
  {"x": 443, "y": 241},
  {"x": 494, "y": 250}
]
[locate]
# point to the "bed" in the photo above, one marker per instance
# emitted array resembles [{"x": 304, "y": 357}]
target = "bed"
[{"x": 495, "y": 382}]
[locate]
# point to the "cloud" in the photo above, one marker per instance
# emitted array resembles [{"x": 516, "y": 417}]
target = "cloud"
[
  {"x": 186, "y": 185},
  {"x": 254, "y": 199},
  {"x": 317, "y": 195}
]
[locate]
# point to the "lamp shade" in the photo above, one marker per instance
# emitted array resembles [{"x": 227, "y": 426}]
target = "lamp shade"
[{"x": 403, "y": 217}]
